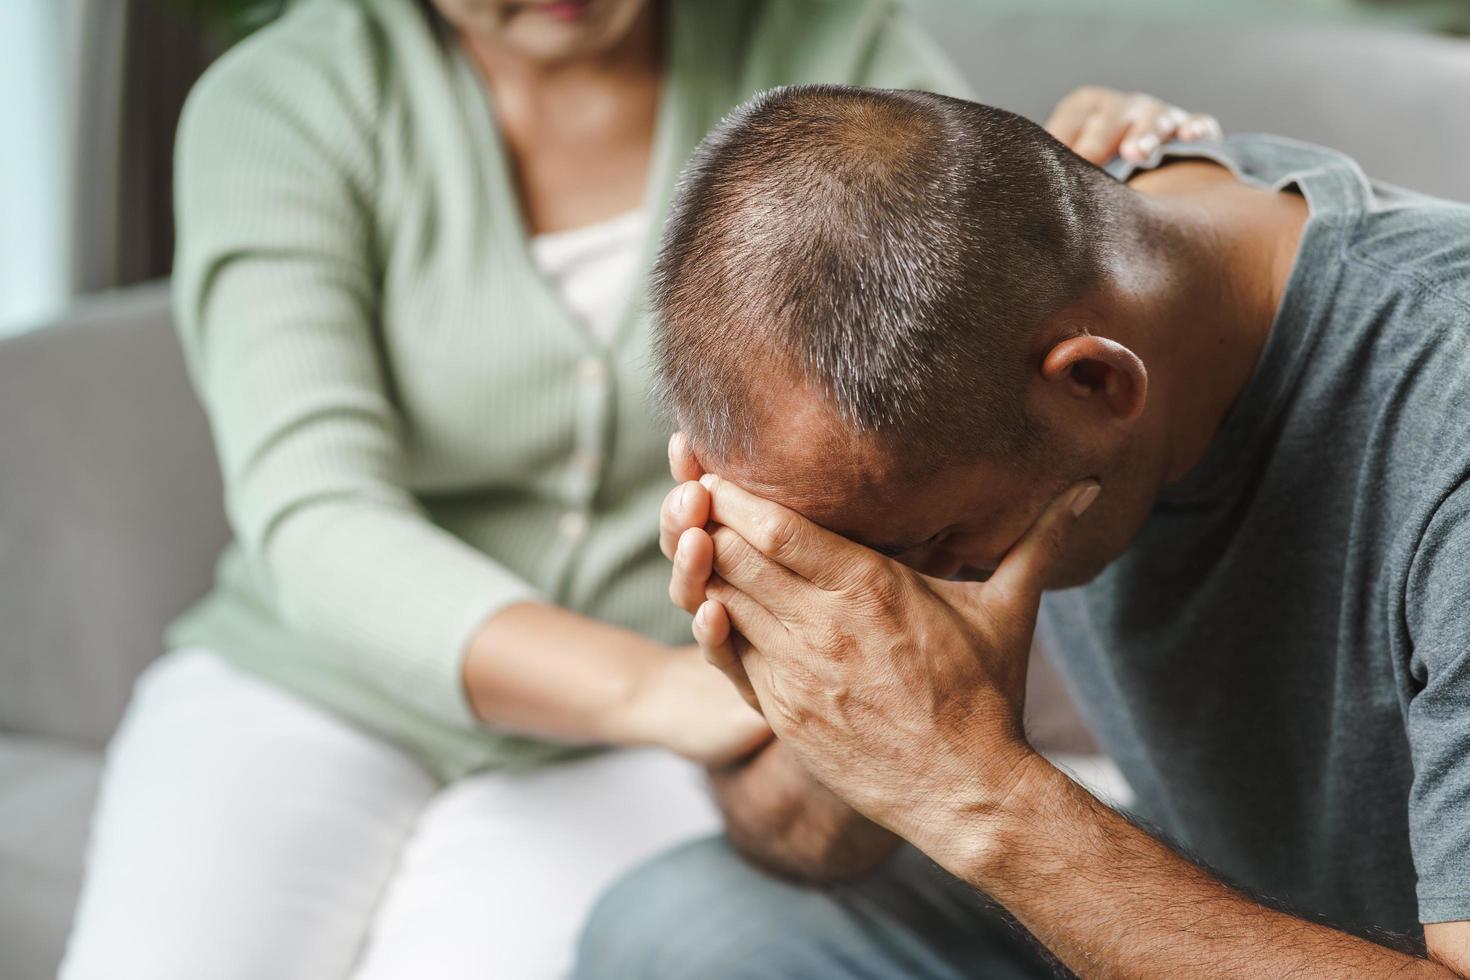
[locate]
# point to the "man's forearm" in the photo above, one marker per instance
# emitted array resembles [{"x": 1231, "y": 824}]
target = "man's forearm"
[{"x": 1110, "y": 900}]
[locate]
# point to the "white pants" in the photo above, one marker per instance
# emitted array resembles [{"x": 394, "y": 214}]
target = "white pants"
[{"x": 243, "y": 832}]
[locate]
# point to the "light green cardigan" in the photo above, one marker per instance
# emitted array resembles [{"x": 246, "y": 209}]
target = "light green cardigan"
[{"x": 412, "y": 432}]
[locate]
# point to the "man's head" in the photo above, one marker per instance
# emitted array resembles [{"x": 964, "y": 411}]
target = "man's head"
[{"x": 858, "y": 292}]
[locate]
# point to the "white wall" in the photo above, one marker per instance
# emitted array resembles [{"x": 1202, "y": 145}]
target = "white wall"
[{"x": 33, "y": 164}]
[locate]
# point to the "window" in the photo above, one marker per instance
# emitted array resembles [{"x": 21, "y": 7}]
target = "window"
[{"x": 33, "y": 167}]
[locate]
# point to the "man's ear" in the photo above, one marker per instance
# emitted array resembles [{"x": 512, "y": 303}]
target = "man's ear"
[
  {"x": 1091, "y": 367},
  {"x": 683, "y": 463}
]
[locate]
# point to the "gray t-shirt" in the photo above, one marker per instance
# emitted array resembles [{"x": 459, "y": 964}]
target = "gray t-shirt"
[{"x": 1280, "y": 662}]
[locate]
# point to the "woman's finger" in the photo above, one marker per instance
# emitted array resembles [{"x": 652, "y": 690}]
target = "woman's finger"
[
  {"x": 1071, "y": 112},
  {"x": 1151, "y": 124},
  {"x": 1200, "y": 126},
  {"x": 1101, "y": 134}
]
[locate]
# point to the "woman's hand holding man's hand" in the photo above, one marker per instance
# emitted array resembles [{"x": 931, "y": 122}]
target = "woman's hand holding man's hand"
[{"x": 1101, "y": 123}]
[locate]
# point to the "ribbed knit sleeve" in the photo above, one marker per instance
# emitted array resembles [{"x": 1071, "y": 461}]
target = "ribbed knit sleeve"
[{"x": 278, "y": 298}]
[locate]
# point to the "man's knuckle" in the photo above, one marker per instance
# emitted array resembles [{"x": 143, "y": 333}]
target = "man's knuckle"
[
  {"x": 885, "y": 598},
  {"x": 741, "y": 563},
  {"x": 871, "y": 583},
  {"x": 778, "y": 534},
  {"x": 831, "y": 640},
  {"x": 728, "y": 550}
]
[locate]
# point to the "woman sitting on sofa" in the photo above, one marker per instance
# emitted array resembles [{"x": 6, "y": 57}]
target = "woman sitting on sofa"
[{"x": 412, "y": 238}]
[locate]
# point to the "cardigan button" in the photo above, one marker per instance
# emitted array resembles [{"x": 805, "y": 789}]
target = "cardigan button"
[
  {"x": 592, "y": 370},
  {"x": 573, "y": 525}
]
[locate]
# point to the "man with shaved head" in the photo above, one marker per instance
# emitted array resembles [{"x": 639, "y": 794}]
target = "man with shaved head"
[{"x": 928, "y": 364}]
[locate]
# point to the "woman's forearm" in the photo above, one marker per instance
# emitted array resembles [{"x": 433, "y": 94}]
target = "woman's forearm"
[{"x": 537, "y": 669}]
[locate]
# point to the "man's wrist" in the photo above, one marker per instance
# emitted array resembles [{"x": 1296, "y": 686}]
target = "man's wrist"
[{"x": 975, "y": 830}]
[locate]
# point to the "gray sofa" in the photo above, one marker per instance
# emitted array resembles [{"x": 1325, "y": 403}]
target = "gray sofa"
[{"x": 110, "y": 516}]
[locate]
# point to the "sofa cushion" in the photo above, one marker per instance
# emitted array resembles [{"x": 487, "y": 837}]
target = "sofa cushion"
[
  {"x": 47, "y": 790},
  {"x": 111, "y": 516}
]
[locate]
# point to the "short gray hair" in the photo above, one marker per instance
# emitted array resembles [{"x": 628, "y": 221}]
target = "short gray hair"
[{"x": 892, "y": 249}]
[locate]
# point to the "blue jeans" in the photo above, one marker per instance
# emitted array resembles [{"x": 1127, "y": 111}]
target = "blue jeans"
[{"x": 700, "y": 912}]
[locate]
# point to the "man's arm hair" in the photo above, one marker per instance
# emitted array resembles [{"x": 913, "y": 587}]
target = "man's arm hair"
[{"x": 1110, "y": 899}]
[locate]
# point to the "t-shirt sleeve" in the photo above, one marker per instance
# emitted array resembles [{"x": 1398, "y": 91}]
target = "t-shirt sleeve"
[
  {"x": 277, "y": 299},
  {"x": 1437, "y": 607}
]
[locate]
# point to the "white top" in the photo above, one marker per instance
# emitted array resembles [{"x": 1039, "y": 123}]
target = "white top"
[{"x": 594, "y": 269}]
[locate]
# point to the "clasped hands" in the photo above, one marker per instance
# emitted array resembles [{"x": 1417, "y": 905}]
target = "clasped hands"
[{"x": 901, "y": 693}]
